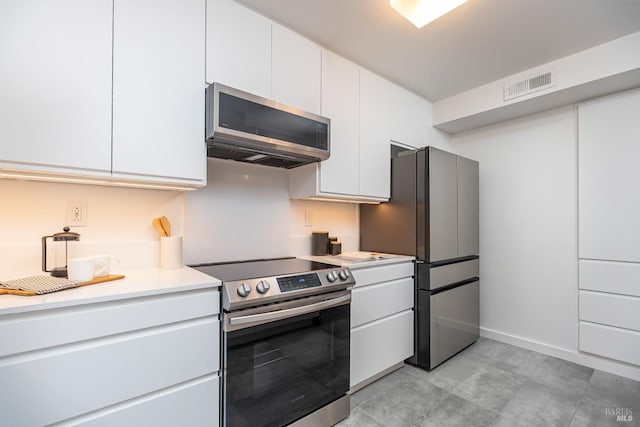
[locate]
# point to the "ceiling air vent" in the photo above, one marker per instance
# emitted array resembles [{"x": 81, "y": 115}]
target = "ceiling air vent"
[{"x": 529, "y": 85}]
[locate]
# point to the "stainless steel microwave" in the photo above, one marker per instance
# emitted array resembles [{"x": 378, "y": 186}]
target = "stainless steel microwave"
[{"x": 248, "y": 128}]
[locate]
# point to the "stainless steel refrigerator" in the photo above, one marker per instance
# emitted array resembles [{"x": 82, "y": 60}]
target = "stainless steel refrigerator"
[{"x": 433, "y": 215}]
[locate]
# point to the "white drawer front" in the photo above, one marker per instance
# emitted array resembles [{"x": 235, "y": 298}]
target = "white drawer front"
[
  {"x": 382, "y": 273},
  {"x": 49, "y": 328},
  {"x": 57, "y": 384},
  {"x": 615, "y": 343},
  {"x": 379, "y": 345},
  {"x": 609, "y": 276},
  {"x": 193, "y": 405},
  {"x": 610, "y": 309},
  {"x": 374, "y": 302}
]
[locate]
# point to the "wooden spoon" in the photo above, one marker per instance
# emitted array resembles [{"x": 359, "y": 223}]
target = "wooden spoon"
[
  {"x": 157, "y": 225},
  {"x": 166, "y": 225}
]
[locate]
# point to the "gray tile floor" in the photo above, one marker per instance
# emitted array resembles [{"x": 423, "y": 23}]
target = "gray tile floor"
[{"x": 495, "y": 384}]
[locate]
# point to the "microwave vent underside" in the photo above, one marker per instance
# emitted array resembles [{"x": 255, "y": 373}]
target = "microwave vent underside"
[{"x": 254, "y": 157}]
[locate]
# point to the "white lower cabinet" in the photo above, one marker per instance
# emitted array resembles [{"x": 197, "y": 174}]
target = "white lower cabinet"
[
  {"x": 379, "y": 345},
  {"x": 381, "y": 320},
  {"x": 614, "y": 343},
  {"x": 141, "y": 361},
  {"x": 194, "y": 405},
  {"x": 380, "y": 300},
  {"x": 621, "y": 311},
  {"x": 609, "y": 307}
]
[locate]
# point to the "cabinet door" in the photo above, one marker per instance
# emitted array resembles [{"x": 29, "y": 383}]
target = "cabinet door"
[
  {"x": 468, "y": 207},
  {"x": 193, "y": 404},
  {"x": 379, "y": 345},
  {"x": 375, "y": 158},
  {"x": 99, "y": 373},
  {"x": 410, "y": 118},
  {"x": 55, "y": 84},
  {"x": 158, "y": 89},
  {"x": 296, "y": 70},
  {"x": 609, "y": 206},
  {"x": 443, "y": 205},
  {"x": 340, "y": 98},
  {"x": 614, "y": 343},
  {"x": 373, "y": 302},
  {"x": 238, "y": 47}
]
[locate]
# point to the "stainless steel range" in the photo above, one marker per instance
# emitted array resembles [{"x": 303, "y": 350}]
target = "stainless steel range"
[{"x": 286, "y": 342}]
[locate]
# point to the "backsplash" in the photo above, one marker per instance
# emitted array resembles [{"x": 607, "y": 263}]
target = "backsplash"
[
  {"x": 245, "y": 213},
  {"x": 118, "y": 223}
]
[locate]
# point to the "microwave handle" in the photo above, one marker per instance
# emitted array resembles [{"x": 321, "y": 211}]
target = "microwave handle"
[{"x": 242, "y": 322}]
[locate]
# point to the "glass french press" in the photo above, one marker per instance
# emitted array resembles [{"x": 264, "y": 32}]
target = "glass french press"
[{"x": 64, "y": 236}]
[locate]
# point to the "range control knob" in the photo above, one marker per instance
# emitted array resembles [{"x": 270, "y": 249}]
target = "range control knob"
[
  {"x": 262, "y": 287},
  {"x": 344, "y": 274},
  {"x": 243, "y": 290},
  {"x": 331, "y": 276}
]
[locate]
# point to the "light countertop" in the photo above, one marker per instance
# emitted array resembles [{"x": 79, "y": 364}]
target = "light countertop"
[
  {"x": 137, "y": 283},
  {"x": 360, "y": 259}
]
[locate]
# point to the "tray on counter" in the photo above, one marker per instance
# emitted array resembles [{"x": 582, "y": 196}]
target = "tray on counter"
[{"x": 38, "y": 285}]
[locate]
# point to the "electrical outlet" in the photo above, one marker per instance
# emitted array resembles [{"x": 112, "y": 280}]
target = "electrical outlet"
[
  {"x": 308, "y": 218},
  {"x": 77, "y": 214}
]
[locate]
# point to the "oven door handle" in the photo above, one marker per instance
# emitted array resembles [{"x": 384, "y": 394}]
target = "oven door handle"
[{"x": 261, "y": 318}]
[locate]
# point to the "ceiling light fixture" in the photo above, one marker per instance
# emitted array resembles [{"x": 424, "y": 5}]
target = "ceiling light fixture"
[{"x": 421, "y": 12}]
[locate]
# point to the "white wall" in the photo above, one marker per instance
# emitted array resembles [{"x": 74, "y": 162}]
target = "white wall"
[
  {"x": 245, "y": 213},
  {"x": 610, "y": 67},
  {"x": 119, "y": 223},
  {"x": 528, "y": 226}
]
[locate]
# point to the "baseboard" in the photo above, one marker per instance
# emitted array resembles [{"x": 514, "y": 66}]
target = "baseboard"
[{"x": 586, "y": 359}]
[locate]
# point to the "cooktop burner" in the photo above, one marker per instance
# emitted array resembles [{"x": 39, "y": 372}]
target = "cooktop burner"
[
  {"x": 256, "y": 282},
  {"x": 242, "y": 270}
]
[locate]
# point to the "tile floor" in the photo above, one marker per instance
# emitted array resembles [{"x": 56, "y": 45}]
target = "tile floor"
[{"x": 496, "y": 384}]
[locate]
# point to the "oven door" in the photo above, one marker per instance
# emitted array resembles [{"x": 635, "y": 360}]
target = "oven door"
[{"x": 286, "y": 360}]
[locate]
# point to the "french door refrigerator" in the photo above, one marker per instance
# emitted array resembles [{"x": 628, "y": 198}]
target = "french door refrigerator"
[{"x": 433, "y": 215}]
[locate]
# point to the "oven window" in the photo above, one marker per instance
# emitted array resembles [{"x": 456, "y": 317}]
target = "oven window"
[{"x": 281, "y": 371}]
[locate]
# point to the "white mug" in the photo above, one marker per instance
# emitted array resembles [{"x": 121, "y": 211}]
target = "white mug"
[
  {"x": 80, "y": 269},
  {"x": 102, "y": 264}
]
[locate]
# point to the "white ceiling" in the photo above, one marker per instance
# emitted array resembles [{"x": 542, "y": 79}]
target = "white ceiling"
[{"x": 482, "y": 41}]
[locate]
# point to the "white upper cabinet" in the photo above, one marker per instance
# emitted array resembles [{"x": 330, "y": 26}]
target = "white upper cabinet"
[
  {"x": 357, "y": 102},
  {"x": 339, "y": 174},
  {"x": 375, "y": 158},
  {"x": 158, "y": 90},
  {"x": 296, "y": 70},
  {"x": 410, "y": 118},
  {"x": 67, "y": 65},
  {"x": 238, "y": 47},
  {"x": 55, "y": 85},
  {"x": 609, "y": 206}
]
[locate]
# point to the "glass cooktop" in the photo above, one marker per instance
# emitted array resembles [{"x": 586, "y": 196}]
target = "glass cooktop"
[{"x": 231, "y": 271}]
